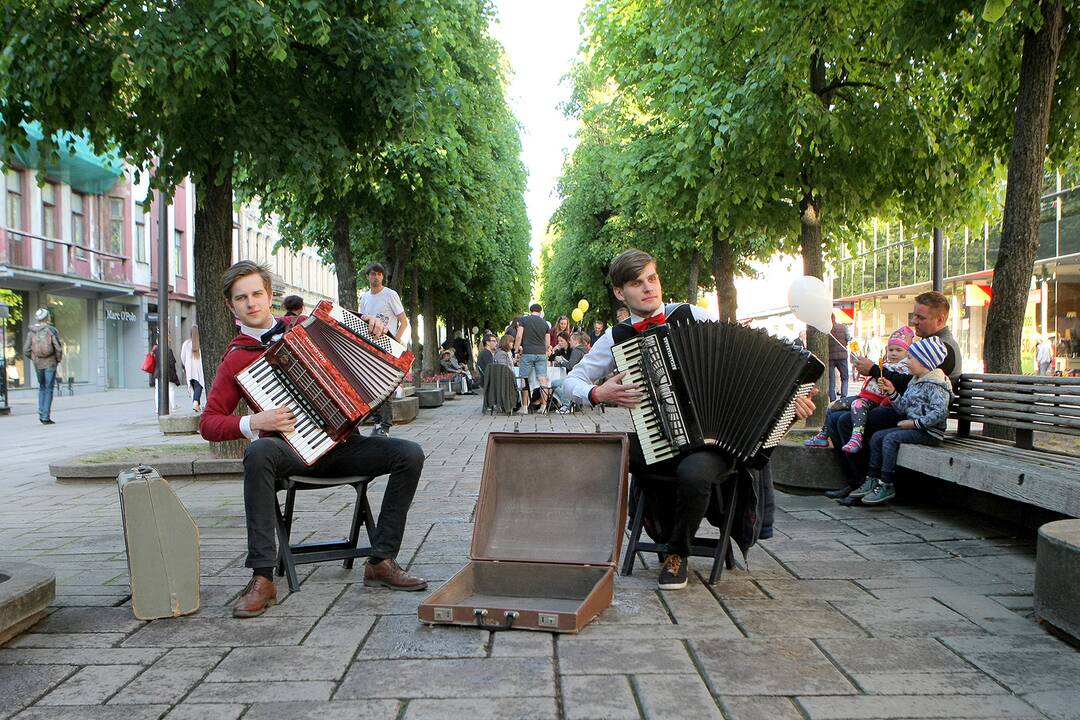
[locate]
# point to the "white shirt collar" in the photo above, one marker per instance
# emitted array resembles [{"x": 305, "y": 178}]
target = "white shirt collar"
[{"x": 255, "y": 332}]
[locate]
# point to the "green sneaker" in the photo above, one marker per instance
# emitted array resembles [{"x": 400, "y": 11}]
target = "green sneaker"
[
  {"x": 884, "y": 492},
  {"x": 865, "y": 489}
]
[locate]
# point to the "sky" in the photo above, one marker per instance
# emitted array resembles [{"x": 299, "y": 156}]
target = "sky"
[{"x": 541, "y": 41}]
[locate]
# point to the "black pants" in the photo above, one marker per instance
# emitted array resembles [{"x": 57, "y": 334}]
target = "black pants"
[
  {"x": 839, "y": 425},
  {"x": 268, "y": 461},
  {"x": 695, "y": 474},
  {"x": 196, "y": 390}
]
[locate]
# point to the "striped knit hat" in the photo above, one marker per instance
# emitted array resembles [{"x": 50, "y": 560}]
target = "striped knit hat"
[{"x": 930, "y": 352}]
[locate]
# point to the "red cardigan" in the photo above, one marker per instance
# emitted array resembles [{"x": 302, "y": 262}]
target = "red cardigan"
[{"x": 217, "y": 422}]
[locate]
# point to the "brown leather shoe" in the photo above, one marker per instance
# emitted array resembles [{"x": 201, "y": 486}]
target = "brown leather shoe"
[
  {"x": 389, "y": 574},
  {"x": 259, "y": 594}
]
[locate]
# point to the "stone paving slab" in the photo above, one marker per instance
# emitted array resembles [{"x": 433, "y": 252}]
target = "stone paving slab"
[{"x": 898, "y": 612}]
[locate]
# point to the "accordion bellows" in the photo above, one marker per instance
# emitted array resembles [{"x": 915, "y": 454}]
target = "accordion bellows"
[{"x": 715, "y": 384}]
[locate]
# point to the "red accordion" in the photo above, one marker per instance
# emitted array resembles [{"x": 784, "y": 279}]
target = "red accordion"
[{"x": 330, "y": 372}]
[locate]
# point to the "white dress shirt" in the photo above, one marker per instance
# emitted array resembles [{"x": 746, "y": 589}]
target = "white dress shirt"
[
  {"x": 257, "y": 333},
  {"x": 599, "y": 363}
]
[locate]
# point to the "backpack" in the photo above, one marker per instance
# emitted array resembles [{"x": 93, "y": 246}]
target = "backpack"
[{"x": 42, "y": 343}]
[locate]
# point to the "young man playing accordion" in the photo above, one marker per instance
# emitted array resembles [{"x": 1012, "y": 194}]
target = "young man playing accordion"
[
  {"x": 268, "y": 460},
  {"x": 636, "y": 282}
]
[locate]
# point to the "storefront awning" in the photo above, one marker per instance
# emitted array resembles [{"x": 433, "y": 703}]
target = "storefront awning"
[{"x": 77, "y": 165}]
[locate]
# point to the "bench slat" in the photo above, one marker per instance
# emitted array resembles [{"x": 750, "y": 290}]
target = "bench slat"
[
  {"x": 1005, "y": 449},
  {"x": 1065, "y": 416},
  {"x": 1026, "y": 379},
  {"x": 1057, "y": 490},
  {"x": 1067, "y": 402},
  {"x": 1017, "y": 424},
  {"x": 969, "y": 387}
]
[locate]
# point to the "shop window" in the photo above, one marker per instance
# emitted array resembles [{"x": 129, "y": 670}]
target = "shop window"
[
  {"x": 14, "y": 200},
  {"x": 48, "y": 211},
  {"x": 70, "y": 318},
  {"x": 140, "y": 232},
  {"x": 1070, "y": 222},
  {"x": 78, "y": 224}
]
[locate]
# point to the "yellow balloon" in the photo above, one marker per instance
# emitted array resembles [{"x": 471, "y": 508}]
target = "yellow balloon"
[
  {"x": 576, "y": 314},
  {"x": 702, "y": 302},
  {"x": 583, "y": 305}
]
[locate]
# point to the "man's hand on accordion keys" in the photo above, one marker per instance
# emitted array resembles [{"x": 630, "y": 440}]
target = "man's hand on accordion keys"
[
  {"x": 615, "y": 392},
  {"x": 804, "y": 406},
  {"x": 279, "y": 419}
]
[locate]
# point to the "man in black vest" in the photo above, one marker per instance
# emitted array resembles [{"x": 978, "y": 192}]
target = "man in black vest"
[{"x": 635, "y": 281}]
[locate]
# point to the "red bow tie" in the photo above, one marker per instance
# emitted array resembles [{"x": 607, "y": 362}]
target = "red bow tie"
[{"x": 657, "y": 319}]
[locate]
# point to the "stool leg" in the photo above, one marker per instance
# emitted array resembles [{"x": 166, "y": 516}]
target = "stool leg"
[
  {"x": 357, "y": 518},
  {"x": 285, "y": 558},
  {"x": 635, "y": 535},
  {"x": 723, "y": 547}
]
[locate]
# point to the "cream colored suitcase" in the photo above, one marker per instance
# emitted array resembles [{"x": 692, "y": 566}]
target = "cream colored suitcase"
[{"x": 162, "y": 546}]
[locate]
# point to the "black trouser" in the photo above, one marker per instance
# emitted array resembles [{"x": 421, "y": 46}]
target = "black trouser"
[
  {"x": 383, "y": 415},
  {"x": 695, "y": 474},
  {"x": 196, "y": 390},
  {"x": 839, "y": 425},
  {"x": 268, "y": 461}
]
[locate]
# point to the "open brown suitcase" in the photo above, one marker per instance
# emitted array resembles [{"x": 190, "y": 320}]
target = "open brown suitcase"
[{"x": 549, "y": 526}]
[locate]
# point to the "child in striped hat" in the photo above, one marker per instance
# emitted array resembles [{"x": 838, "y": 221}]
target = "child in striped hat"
[
  {"x": 925, "y": 407},
  {"x": 870, "y": 395}
]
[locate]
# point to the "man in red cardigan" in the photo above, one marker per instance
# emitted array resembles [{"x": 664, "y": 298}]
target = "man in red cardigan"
[{"x": 268, "y": 460}]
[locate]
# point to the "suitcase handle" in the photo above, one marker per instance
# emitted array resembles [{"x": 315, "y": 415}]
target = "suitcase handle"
[{"x": 481, "y": 613}]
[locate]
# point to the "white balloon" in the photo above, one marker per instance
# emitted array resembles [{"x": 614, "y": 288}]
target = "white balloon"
[{"x": 810, "y": 302}]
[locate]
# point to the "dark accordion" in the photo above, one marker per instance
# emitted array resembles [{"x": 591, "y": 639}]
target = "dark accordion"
[
  {"x": 331, "y": 372},
  {"x": 716, "y": 384}
]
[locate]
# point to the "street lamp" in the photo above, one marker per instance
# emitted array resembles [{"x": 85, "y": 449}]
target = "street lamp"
[{"x": 5, "y": 313}]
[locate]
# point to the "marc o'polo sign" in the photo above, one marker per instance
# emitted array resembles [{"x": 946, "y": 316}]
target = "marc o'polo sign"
[{"x": 122, "y": 315}]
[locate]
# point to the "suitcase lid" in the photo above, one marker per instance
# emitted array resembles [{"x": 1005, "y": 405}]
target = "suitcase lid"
[{"x": 552, "y": 497}]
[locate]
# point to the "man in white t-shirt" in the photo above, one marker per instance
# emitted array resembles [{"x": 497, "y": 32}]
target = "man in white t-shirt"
[{"x": 385, "y": 304}]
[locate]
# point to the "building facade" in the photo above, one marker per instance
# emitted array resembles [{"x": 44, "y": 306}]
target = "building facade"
[
  {"x": 877, "y": 283},
  {"x": 83, "y": 243}
]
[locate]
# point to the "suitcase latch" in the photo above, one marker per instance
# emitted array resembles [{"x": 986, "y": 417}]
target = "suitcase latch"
[
  {"x": 444, "y": 615},
  {"x": 548, "y": 620}
]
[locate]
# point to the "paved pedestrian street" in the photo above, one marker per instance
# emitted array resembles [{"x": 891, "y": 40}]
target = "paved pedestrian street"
[{"x": 899, "y": 612}]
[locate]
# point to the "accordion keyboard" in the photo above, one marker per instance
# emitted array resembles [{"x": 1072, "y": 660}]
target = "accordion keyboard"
[
  {"x": 267, "y": 389},
  {"x": 637, "y": 358}
]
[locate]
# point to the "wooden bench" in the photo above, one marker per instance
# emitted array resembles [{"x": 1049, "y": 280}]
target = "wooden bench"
[{"x": 1017, "y": 470}]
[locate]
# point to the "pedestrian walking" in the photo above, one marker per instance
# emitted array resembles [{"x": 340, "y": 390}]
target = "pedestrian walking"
[
  {"x": 172, "y": 377},
  {"x": 44, "y": 349},
  {"x": 191, "y": 360},
  {"x": 1044, "y": 356},
  {"x": 838, "y": 358}
]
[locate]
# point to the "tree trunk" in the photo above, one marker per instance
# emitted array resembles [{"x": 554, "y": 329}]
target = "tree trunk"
[
  {"x": 213, "y": 255},
  {"x": 814, "y": 264},
  {"x": 344, "y": 263},
  {"x": 431, "y": 343},
  {"x": 723, "y": 267},
  {"x": 1020, "y": 223},
  {"x": 692, "y": 281},
  {"x": 414, "y": 313}
]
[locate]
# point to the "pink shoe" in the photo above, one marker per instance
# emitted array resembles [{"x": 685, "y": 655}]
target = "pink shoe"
[
  {"x": 853, "y": 445},
  {"x": 820, "y": 440}
]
